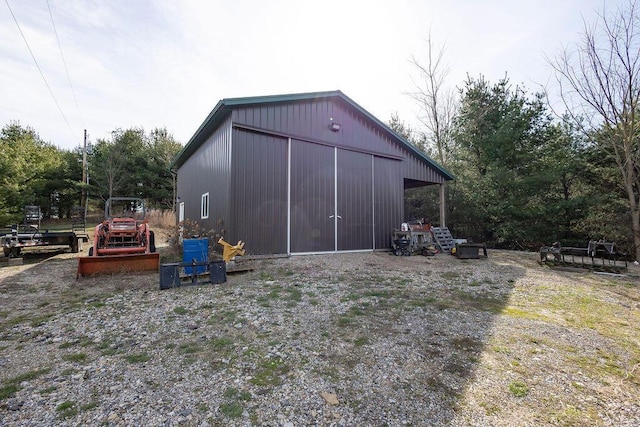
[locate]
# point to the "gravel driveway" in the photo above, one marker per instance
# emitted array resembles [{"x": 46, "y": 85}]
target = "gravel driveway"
[{"x": 363, "y": 339}]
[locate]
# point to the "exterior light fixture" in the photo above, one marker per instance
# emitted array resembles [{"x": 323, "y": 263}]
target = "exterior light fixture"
[{"x": 335, "y": 127}]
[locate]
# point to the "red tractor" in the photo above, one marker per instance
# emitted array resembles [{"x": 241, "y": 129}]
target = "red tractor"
[{"x": 122, "y": 242}]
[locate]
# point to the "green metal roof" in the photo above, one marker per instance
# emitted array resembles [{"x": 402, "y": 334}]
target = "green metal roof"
[{"x": 226, "y": 105}]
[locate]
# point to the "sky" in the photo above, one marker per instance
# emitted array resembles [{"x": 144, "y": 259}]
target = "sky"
[{"x": 110, "y": 64}]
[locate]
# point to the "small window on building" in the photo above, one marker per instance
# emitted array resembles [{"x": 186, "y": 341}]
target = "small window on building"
[{"x": 204, "y": 206}]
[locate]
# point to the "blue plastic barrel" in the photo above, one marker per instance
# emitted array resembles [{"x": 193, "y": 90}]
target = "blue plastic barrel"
[{"x": 198, "y": 250}]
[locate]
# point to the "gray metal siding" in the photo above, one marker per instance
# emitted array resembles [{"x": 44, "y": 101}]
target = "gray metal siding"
[
  {"x": 388, "y": 199},
  {"x": 208, "y": 171},
  {"x": 355, "y": 200},
  {"x": 310, "y": 120},
  {"x": 312, "y": 197},
  {"x": 259, "y": 192}
]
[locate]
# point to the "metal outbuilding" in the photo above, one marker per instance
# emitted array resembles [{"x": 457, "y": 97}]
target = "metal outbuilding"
[{"x": 299, "y": 173}]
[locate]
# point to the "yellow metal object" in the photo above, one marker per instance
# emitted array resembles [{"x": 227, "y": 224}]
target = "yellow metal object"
[{"x": 230, "y": 251}]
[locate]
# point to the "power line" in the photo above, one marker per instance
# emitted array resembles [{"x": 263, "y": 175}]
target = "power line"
[
  {"x": 39, "y": 69},
  {"x": 66, "y": 70}
]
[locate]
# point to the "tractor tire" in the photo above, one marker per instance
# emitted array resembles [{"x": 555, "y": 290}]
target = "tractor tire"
[
  {"x": 152, "y": 241},
  {"x": 6, "y": 251}
]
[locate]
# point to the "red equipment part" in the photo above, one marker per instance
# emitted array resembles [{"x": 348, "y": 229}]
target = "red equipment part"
[{"x": 122, "y": 243}]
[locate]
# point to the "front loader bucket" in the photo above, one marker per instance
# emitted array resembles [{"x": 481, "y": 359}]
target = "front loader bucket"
[{"x": 90, "y": 265}]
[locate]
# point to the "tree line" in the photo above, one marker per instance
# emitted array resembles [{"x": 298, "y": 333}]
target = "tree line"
[
  {"x": 524, "y": 176},
  {"x": 131, "y": 163}
]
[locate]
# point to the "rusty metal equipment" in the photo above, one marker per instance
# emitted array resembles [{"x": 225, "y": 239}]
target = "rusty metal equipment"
[
  {"x": 122, "y": 242},
  {"x": 597, "y": 256},
  {"x": 407, "y": 242}
]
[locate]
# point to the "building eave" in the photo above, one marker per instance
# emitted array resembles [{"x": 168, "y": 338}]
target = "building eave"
[{"x": 226, "y": 105}]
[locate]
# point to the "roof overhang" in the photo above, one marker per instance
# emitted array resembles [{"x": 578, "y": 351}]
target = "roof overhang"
[{"x": 224, "y": 107}]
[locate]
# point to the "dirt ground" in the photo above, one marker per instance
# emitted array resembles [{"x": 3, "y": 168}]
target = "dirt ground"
[{"x": 349, "y": 339}]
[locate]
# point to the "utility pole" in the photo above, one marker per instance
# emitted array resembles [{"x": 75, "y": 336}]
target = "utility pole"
[{"x": 83, "y": 202}]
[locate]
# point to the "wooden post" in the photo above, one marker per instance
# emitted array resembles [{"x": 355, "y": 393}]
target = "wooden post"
[
  {"x": 84, "y": 172},
  {"x": 442, "y": 206}
]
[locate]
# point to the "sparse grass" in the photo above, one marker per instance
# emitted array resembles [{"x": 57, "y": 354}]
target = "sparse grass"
[
  {"x": 190, "y": 348},
  {"x": 181, "y": 311},
  {"x": 12, "y": 386},
  {"x": 361, "y": 341},
  {"x": 221, "y": 343},
  {"x": 41, "y": 320},
  {"x": 295, "y": 294},
  {"x": 490, "y": 408},
  {"x": 75, "y": 357},
  {"x": 8, "y": 390},
  {"x": 89, "y": 406},
  {"x": 48, "y": 390},
  {"x": 233, "y": 405},
  {"x": 517, "y": 313},
  {"x": 344, "y": 321},
  {"x": 67, "y": 409},
  {"x": 231, "y": 410},
  {"x": 137, "y": 358},
  {"x": 270, "y": 372},
  {"x": 518, "y": 389},
  {"x": 21, "y": 318}
]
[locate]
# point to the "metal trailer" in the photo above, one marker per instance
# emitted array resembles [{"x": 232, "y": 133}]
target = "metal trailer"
[
  {"x": 597, "y": 256},
  {"x": 18, "y": 239},
  {"x": 28, "y": 234}
]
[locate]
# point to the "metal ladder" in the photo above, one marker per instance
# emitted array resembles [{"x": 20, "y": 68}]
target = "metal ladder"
[{"x": 444, "y": 238}]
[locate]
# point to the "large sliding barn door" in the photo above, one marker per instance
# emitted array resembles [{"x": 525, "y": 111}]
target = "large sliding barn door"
[
  {"x": 331, "y": 199},
  {"x": 355, "y": 200},
  {"x": 312, "y": 193}
]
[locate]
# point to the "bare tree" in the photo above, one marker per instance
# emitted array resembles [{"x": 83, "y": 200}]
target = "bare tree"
[
  {"x": 599, "y": 84},
  {"x": 436, "y": 102}
]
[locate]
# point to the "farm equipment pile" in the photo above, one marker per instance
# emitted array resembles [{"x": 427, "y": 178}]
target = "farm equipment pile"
[
  {"x": 122, "y": 242},
  {"x": 597, "y": 256}
]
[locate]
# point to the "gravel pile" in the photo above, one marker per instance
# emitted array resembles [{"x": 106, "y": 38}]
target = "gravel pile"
[{"x": 335, "y": 340}]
